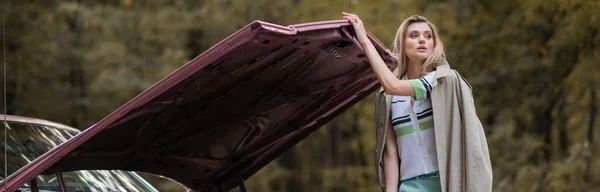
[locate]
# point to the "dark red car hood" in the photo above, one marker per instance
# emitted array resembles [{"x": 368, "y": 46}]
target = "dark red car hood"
[{"x": 225, "y": 114}]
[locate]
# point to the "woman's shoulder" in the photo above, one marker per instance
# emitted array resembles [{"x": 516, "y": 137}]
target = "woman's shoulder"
[
  {"x": 451, "y": 77},
  {"x": 446, "y": 75},
  {"x": 444, "y": 70}
]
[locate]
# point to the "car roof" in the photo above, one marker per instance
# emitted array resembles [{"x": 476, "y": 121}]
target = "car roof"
[
  {"x": 29, "y": 120},
  {"x": 228, "y": 112}
]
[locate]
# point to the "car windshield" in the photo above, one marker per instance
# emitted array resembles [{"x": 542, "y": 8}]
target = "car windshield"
[{"x": 27, "y": 141}]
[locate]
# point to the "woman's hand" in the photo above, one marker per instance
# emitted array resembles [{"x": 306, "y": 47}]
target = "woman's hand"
[
  {"x": 391, "y": 84},
  {"x": 359, "y": 28}
]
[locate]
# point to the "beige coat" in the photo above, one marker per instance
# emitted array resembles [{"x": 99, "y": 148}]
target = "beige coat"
[{"x": 462, "y": 151}]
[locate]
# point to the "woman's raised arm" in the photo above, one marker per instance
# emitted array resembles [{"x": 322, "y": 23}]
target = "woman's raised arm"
[{"x": 387, "y": 79}]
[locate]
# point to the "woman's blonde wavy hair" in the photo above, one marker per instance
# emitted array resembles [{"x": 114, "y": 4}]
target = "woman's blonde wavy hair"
[{"x": 435, "y": 59}]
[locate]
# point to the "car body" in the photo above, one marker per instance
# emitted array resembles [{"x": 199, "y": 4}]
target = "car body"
[
  {"x": 221, "y": 117},
  {"x": 29, "y": 138}
]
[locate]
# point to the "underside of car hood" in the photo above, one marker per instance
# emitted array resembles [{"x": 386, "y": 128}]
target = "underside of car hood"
[{"x": 225, "y": 114}]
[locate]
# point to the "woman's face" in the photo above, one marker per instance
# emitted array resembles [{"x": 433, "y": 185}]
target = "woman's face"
[{"x": 419, "y": 42}]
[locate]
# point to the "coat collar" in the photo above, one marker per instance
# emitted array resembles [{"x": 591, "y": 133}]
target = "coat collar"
[{"x": 442, "y": 70}]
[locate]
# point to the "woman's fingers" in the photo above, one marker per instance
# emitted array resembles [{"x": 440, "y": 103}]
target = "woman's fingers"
[
  {"x": 355, "y": 22},
  {"x": 351, "y": 19},
  {"x": 347, "y": 18},
  {"x": 350, "y": 15}
]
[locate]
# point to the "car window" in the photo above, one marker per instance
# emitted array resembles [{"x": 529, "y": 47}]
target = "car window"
[
  {"x": 96, "y": 180},
  {"x": 26, "y": 142}
]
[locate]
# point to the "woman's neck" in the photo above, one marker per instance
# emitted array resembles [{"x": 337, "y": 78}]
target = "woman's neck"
[{"x": 414, "y": 69}]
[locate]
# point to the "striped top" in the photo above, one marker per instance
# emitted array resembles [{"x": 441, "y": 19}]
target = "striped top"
[{"x": 413, "y": 126}]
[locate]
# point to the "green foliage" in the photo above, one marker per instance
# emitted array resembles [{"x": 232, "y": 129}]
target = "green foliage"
[{"x": 533, "y": 64}]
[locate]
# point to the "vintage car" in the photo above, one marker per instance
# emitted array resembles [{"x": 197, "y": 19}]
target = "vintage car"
[
  {"x": 29, "y": 138},
  {"x": 225, "y": 114}
]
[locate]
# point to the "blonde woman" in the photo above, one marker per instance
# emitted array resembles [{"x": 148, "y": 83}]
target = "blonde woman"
[{"x": 429, "y": 138}]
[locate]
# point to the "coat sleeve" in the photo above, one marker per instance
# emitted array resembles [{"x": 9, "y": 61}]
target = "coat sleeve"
[
  {"x": 463, "y": 156},
  {"x": 381, "y": 123},
  {"x": 380, "y": 134},
  {"x": 479, "y": 167}
]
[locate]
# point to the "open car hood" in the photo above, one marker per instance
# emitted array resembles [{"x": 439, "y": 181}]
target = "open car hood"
[{"x": 225, "y": 114}]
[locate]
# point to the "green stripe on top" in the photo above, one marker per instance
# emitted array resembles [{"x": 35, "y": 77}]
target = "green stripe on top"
[
  {"x": 409, "y": 128},
  {"x": 419, "y": 89},
  {"x": 427, "y": 88}
]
